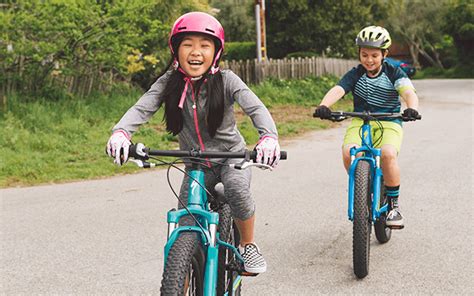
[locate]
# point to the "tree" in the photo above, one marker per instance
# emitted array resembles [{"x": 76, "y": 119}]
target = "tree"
[
  {"x": 420, "y": 26},
  {"x": 460, "y": 25},
  {"x": 237, "y": 18},
  {"x": 323, "y": 26},
  {"x": 42, "y": 41}
]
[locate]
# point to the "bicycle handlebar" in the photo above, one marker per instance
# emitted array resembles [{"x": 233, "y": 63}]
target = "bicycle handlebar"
[
  {"x": 139, "y": 151},
  {"x": 340, "y": 115}
]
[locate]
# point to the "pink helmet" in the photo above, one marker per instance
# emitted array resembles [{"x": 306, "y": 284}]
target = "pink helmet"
[{"x": 198, "y": 22}]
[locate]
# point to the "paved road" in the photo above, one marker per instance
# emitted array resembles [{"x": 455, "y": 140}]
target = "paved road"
[{"x": 106, "y": 236}]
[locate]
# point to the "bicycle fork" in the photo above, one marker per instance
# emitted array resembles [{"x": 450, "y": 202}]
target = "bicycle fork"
[{"x": 376, "y": 173}]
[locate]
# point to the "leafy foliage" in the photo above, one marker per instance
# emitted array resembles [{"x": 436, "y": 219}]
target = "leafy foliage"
[
  {"x": 237, "y": 18},
  {"x": 420, "y": 27},
  {"x": 44, "y": 39},
  {"x": 460, "y": 25},
  {"x": 322, "y": 26},
  {"x": 240, "y": 51}
]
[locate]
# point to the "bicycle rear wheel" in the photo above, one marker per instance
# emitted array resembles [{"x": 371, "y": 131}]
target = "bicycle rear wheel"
[
  {"x": 228, "y": 232},
  {"x": 362, "y": 226},
  {"x": 383, "y": 233},
  {"x": 184, "y": 269}
]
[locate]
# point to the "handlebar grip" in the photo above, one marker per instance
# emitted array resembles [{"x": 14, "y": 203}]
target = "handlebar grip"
[
  {"x": 283, "y": 155},
  {"x": 418, "y": 117}
]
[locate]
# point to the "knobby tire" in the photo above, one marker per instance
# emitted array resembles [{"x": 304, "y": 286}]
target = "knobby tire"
[
  {"x": 228, "y": 232},
  {"x": 184, "y": 269},
  {"x": 361, "y": 224}
]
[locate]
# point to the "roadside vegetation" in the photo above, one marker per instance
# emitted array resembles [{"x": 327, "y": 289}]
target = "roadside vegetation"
[
  {"x": 455, "y": 72},
  {"x": 69, "y": 69},
  {"x": 46, "y": 141}
]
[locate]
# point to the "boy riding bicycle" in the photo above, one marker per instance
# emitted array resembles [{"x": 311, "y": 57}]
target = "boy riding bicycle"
[{"x": 376, "y": 87}]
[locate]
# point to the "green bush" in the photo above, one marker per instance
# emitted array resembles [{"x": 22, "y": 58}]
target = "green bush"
[
  {"x": 240, "y": 51},
  {"x": 308, "y": 91},
  {"x": 302, "y": 54},
  {"x": 460, "y": 71}
]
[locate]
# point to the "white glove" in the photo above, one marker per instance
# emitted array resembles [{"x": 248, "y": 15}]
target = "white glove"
[
  {"x": 268, "y": 151},
  {"x": 118, "y": 145}
]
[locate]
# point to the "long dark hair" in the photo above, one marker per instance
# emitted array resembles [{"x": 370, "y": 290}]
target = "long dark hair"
[{"x": 215, "y": 101}]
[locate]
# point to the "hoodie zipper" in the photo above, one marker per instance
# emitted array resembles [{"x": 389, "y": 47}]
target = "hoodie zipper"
[{"x": 196, "y": 122}]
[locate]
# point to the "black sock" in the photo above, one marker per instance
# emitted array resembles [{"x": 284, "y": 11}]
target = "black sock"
[{"x": 392, "y": 193}]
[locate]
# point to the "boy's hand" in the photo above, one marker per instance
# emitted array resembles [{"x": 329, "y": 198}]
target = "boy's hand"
[
  {"x": 322, "y": 112},
  {"x": 410, "y": 113}
]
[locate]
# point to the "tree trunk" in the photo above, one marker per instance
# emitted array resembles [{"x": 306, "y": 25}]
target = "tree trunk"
[
  {"x": 427, "y": 56},
  {"x": 436, "y": 55},
  {"x": 414, "y": 55}
]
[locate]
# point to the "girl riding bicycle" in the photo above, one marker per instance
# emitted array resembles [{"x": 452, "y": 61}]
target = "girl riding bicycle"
[
  {"x": 199, "y": 99},
  {"x": 376, "y": 87}
]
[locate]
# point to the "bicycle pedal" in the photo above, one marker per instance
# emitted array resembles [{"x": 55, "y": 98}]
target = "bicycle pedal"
[
  {"x": 396, "y": 227},
  {"x": 239, "y": 268},
  {"x": 245, "y": 273},
  {"x": 234, "y": 266}
]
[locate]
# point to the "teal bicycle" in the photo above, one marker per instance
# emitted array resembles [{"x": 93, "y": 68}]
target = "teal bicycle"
[
  {"x": 368, "y": 203},
  {"x": 201, "y": 255}
]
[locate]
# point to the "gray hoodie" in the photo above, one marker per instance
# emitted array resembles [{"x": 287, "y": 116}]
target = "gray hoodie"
[{"x": 227, "y": 137}]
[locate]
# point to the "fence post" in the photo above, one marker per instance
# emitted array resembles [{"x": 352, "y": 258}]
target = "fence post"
[
  {"x": 292, "y": 65},
  {"x": 258, "y": 71}
]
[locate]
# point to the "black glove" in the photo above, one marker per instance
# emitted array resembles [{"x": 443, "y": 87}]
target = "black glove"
[
  {"x": 410, "y": 113},
  {"x": 322, "y": 112}
]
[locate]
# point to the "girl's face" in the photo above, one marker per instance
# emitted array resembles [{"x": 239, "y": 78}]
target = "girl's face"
[
  {"x": 196, "y": 54},
  {"x": 371, "y": 59}
]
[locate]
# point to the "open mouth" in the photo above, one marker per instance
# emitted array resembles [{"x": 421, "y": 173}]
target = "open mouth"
[{"x": 195, "y": 63}]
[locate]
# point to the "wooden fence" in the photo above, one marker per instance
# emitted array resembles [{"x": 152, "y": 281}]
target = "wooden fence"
[
  {"x": 251, "y": 71},
  {"x": 80, "y": 84}
]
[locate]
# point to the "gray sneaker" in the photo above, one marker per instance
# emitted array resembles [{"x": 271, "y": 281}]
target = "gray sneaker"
[
  {"x": 253, "y": 259},
  {"x": 395, "y": 219}
]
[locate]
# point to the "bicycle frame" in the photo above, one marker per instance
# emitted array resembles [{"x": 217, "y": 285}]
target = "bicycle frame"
[
  {"x": 199, "y": 207},
  {"x": 372, "y": 155}
]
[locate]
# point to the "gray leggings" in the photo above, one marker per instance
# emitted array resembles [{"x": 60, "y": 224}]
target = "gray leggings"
[{"x": 236, "y": 188}]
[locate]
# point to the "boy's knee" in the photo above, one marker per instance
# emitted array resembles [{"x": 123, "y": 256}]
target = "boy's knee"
[{"x": 389, "y": 153}]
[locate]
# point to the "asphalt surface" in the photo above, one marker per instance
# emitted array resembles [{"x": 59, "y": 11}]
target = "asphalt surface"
[{"x": 107, "y": 236}]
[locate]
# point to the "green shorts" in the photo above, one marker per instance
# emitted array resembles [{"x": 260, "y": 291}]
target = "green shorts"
[{"x": 392, "y": 133}]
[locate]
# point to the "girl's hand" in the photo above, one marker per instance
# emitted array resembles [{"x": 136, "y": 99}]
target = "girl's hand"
[
  {"x": 117, "y": 147},
  {"x": 268, "y": 151}
]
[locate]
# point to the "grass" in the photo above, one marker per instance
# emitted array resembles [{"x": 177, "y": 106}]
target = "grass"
[
  {"x": 460, "y": 71},
  {"x": 46, "y": 141}
]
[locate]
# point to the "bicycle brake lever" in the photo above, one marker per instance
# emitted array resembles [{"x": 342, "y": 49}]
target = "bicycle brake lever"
[
  {"x": 246, "y": 164},
  {"x": 142, "y": 164}
]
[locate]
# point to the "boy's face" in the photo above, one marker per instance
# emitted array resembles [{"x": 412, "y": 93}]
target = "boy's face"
[
  {"x": 371, "y": 59},
  {"x": 196, "y": 54}
]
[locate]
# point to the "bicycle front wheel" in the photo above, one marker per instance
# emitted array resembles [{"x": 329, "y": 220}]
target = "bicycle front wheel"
[
  {"x": 184, "y": 269},
  {"x": 361, "y": 227},
  {"x": 227, "y": 279}
]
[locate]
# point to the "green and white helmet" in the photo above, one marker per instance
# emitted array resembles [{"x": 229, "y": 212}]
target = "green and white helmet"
[{"x": 375, "y": 37}]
